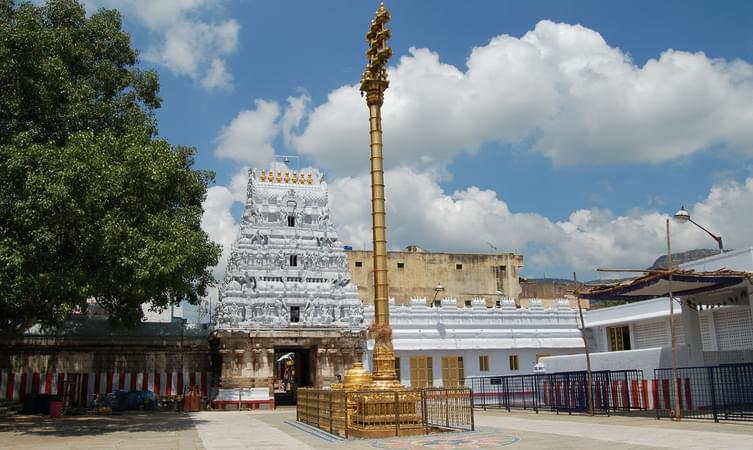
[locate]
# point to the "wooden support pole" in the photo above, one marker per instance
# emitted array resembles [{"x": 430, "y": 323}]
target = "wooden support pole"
[{"x": 589, "y": 392}]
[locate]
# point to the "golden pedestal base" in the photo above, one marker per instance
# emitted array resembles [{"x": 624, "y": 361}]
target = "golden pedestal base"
[
  {"x": 385, "y": 412},
  {"x": 378, "y": 408},
  {"x": 385, "y": 432}
]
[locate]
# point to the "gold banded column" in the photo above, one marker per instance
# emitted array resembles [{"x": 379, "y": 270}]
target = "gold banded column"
[{"x": 373, "y": 84}]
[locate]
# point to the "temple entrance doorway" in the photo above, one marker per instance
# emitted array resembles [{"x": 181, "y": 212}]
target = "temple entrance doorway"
[{"x": 294, "y": 368}]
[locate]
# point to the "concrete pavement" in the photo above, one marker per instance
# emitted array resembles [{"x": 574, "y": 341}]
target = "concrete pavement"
[{"x": 278, "y": 430}]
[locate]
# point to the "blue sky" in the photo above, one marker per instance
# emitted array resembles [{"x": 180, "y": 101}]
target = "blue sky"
[{"x": 569, "y": 140}]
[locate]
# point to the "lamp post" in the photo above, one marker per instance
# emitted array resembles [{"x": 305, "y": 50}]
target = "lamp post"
[
  {"x": 676, "y": 410},
  {"x": 683, "y": 216},
  {"x": 437, "y": 289}
]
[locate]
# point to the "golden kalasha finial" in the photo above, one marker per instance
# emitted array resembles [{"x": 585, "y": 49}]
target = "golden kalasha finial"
[
  {"x": 263, "y": 175},
  {"x": 310, "y": 179},
  {"x": 374, "y": 78},
  {"x": 279, "y": 176},
  {"x": 287, "y": 177}
]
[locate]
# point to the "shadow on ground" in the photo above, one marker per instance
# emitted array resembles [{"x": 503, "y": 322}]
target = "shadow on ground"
[{"x": 92, "y": 425}]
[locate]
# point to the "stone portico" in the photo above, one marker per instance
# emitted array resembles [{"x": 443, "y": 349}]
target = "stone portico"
[{"x": 248, "y": 359}]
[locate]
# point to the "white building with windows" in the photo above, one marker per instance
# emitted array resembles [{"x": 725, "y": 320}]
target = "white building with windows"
[
  {"x": 638, "y": 335},
  {"x": 441, "y": 346}
]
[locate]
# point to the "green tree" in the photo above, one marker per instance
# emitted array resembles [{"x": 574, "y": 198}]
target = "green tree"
[{"x": 93, "y": 205}]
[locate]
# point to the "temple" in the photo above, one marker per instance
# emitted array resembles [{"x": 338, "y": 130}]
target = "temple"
[{"x": 289, "y": 315}]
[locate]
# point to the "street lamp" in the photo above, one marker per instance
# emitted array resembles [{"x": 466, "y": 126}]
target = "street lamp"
[
  {"x": 437, "y": 289},
  {"x": 683, "y": 216}
]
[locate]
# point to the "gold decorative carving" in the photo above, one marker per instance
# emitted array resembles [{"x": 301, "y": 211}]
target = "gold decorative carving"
[{"x": 357, "y": 377}]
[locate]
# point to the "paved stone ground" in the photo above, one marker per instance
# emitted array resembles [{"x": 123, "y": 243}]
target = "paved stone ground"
[{"x": 278, "y": 430}]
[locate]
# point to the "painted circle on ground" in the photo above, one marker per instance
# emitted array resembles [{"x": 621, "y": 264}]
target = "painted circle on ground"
[{"x": 448, "y": 442}]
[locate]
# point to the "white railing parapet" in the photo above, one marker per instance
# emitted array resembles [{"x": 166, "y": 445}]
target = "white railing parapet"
[
  {"x": 563, "y": 304},
  {"x": 536, "y": 304},
  {"x": 507, "y": 304},
  {"x": 418, "y": 303},
  {"x": 449, "y": 302}
]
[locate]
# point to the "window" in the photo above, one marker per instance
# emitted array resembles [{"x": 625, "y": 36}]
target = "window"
[
  {"x": 359, "y": 264},
  {"x": 437, "y": 303},
  {"x": 498, "y": 303},
  {"x": 501, "y": 275},
  {"x": 421, "y": 372},
  {"x": 293, "y": 260},
  {"x": 291, "y": 221},
  {"x": 468, "y": 304},
  {"x": 452, "y": 371},
  {"x": 483, "y": 363},
  {"x": 619, "y": 338},
  {"x": 458, "y": 267},
  {"x": 401, "y": 266},
  {"x": 397, "y": 368},
  {"x": 514, "y": 362},
  {"x": 295, "y": 314}
]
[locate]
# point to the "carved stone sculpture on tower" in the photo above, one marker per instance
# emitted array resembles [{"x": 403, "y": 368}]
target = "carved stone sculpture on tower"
[{"x": 287, "y": 267}]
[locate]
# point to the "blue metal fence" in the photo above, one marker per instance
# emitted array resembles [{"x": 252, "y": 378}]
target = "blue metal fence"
[
  {"x": 616, "y": 390},
  {"x": 717, "y": 393}
]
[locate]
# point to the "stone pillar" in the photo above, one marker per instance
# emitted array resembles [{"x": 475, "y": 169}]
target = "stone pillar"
[
  {"x": 270, "y": 366},
  {"x": 226, "y": 371},
  {"x": 692, "y": 328},
  {"x": 238, "y": 355},
  {"x": 321, "y": 363},
  {"x": 259, "y": 362}
]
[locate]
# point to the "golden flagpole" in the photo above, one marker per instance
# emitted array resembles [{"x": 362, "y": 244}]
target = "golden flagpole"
[
  {"x": 373, "y": 84},
  {"x": 376, "y": 404}
]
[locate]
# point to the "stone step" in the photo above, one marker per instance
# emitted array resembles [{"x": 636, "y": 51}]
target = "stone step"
[{"x": 9, "y": 408}]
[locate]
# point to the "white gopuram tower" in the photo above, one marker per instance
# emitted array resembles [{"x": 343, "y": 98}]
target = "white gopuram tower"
[{"x": 289, "y": 314}]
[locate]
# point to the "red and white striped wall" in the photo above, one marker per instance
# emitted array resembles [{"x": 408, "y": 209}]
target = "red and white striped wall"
[
  {"x": 15, "y": 385},
  {"x": 621, "y": 394}
]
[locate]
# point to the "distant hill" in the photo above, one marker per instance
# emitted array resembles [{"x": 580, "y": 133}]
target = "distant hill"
[
  {"x": 548, "y": 280},
  {"x": 683, "y": 257},
  {"x": 559, "y": 287}
]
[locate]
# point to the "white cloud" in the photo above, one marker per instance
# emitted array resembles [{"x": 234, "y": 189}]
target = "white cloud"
[
  {"x": 218, "y": 222},
  {"x": 560, "y": 87},
  {"x": 294, "y": 113},
  {"x": 217, "y": 77},
  {"x": 420, "y": 212},
  {"x": 249, "y": 136},
  {"x": 190, "y": 40}
]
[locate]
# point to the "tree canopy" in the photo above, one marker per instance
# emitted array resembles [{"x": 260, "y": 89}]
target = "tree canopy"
[{"x": 93, "y": 204}]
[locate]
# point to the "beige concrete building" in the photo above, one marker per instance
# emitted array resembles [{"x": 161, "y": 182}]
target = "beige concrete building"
[{"x": 415, "y": 273}]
